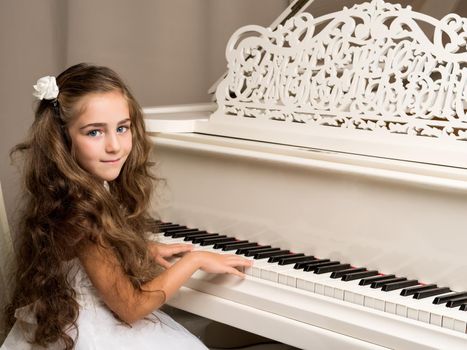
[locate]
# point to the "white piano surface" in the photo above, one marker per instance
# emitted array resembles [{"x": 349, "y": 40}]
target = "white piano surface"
[
  {"x": 380, "y": 214},
  {"x": 399, "y": 209}
]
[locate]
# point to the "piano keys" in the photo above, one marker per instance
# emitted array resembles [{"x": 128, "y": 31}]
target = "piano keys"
[
  {"x": 267, "y": 262},
  {"x": 399, "y": 301}
]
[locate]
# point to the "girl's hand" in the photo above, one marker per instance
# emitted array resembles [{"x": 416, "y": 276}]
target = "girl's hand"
[
  {"x": 220, "y": 263},
  {"x": 161, "y": 252}
]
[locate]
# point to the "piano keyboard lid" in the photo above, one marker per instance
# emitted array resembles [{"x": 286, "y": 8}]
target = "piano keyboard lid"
[{"x": 365, "y": 80}]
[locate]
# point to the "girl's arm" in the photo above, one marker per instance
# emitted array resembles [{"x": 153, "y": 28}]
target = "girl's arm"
[{"x": 132, "y": 304}]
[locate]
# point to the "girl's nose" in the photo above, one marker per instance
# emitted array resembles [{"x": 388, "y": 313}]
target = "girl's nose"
[{"x": 112, "y": 144}]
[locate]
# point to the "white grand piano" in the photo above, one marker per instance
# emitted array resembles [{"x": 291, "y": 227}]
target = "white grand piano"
[{"x": 335, "y": 156}]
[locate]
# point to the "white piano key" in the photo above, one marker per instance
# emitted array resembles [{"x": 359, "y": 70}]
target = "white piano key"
[
  {"x": 447, "y": 322},
  {"x": 391, "y": 302},
  {"x": 390, "y": 308},
  {"x": 339, "y": 293},
  {"x": 332, "y": 288},
  {"x": 272, "y": 271},
  {"x": 460, "y": 326},
  {"x": 412, "y": 313},
  {"x": 253, "y": 269},
  {"x": 423, "y": 310},
  {"x": 286, "y": 277},
  {"x": 425, "y": 306},
  {"x": 319, "y": 284},
  {"x": 424, "y": 316},
  {"x": 454, "y": 319},
  {"x": 282, "y": 274},
  {"x": 436, "y": 319},
  {"x": 170, "y": 240},
  {"x": 336, "y": 288},
  {"x": 401, "y": 305},
  {"x": 306, "y": 285},
  {"x": 265, "y": 272},
  {"x": 354, "y": 292}
]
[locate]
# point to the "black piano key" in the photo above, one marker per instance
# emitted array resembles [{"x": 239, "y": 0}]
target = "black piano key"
[
  {"x": 382, "y": 283},
  {"x": 275, "y": 259},
  {"x": 160, "y": 223},
  {"x": 187, "y": 233},
  {"x": 239, "y": 245},
  {"x": 231, "y": 240},
  {"x": 399, "y": 285},
  {"x": 170, "y": 233},
  {"x": 314, "y": 261},
  {"x": 161, "y": 228},
  {"x": 456, "y": 302},
  {"x": 190, "y": 235},
  {"x": 263, "y": 255},
  {"x": 293, "y": 258},
  {"x": 463, "y": 307},
  {"x": 255, "y": 249},
  {"x": 431, "y": 293},
  {"x": 309, "y": 268},
  {"x": 445, "y": 298},
  {"x": 199, "y": 234},
  {"x": 339, "y": 274},
  {"x": 359, "y": 275},
  {"x": 412, "y": 290},
  {"x": 202, "y": 238},
  {"x": 157, "y": 229},
  {"x": 326, "y": 269},
  {"x": 221, "y": 245},
  {"x": 219, "y": 239},
  {"x": 175, "y": 228},
  {"x": 181, "y": 231},
  {"x": 164, "y": 225},
  {"x": 269, "y": 250},
  {"x": 370, "y": 280}
]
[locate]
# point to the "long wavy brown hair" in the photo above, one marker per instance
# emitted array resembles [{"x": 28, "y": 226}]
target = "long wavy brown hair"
[{"x": 65, "y": 205}]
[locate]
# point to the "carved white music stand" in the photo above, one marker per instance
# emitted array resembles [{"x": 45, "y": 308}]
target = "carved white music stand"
[{"x": 365, "y": 80}]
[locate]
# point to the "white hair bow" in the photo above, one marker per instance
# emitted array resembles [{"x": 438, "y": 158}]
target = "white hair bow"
[{"x": 46, "y": 88}]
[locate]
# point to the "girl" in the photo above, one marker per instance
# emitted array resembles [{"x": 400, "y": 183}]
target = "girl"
[{"x": 88, "y": 278}]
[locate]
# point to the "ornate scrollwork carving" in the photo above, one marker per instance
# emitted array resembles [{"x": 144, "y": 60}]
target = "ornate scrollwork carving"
[{"x": 370, "y": 67}]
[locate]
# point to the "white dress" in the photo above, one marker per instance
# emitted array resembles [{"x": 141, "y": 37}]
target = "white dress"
[{"x": 99, "y": 330}]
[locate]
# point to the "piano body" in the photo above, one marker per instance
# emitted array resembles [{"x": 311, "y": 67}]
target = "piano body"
[{"x": 343, "y": 138}]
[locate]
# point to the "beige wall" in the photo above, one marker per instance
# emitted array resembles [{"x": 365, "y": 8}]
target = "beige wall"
[
  {"x": 29, "y": 45},
  {"x": 169, "y": 51}
]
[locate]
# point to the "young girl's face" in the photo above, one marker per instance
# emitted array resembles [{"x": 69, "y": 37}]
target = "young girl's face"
[{"x": 101, "y": 134}]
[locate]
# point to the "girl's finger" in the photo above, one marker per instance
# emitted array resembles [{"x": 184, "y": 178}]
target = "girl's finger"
[
  {"x": 164, "y": 263},
  {"x": 179, "y": 248},
  {"x": 237, "y": 261},
  {"x": 234, "y": 271}
]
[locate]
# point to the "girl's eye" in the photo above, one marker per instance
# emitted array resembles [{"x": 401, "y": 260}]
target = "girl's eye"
[
  {"x": 122, "y": 129},
  {"x": 94, "y": 133}
]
